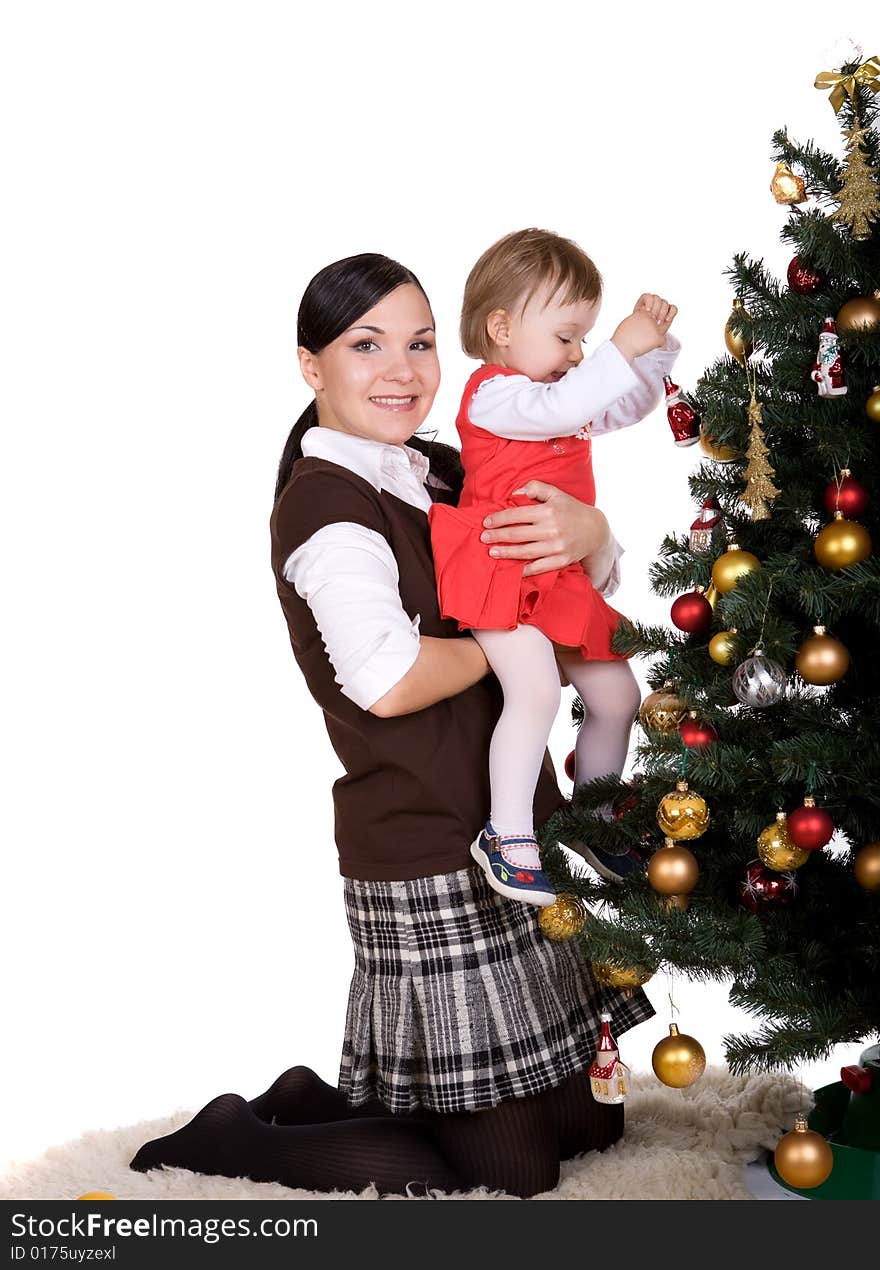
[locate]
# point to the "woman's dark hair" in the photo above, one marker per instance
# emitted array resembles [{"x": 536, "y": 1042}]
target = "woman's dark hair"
[{"x": 331, "y": 303}]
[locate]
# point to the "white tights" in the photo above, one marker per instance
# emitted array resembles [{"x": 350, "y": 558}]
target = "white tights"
[{"x": 525, "y": 662}]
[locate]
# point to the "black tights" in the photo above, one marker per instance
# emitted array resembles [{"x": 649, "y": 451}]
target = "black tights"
[{"x": 303, "y": 1133}]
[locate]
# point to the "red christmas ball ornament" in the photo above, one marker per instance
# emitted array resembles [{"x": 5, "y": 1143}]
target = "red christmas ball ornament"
[
  {"x": 627, "y": 802},
  {"x": 692, "y": 612},
  {"x": 569, "y": 766},
  {"x": 762, "y": 888},
  {"x": 696, "y": 733},
  {"x": 620, "y": 809},
  {"x": 847, "y": 495},
  {"x": 802, "y": 280},
  {"x": 810, "y": 827}
]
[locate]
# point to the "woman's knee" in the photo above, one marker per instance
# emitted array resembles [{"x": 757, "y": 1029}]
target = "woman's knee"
[
  {"x": 511, "y": 1147},
  {"x": 583, "y": 1123}
]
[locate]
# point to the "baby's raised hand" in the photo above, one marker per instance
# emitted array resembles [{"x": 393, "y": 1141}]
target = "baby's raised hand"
[
  {"x": 646, "y": 327},
  {"x": 660, "y": 310},
  {"x": 638, "y": 334}
]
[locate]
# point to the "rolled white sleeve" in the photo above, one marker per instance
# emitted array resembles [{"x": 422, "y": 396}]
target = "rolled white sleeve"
[
  {"x": 348, "y": 576},
  {"x": 645, "y": 395},
  {"x": 523, "y": 409},
  {"x": 603, "y": 389},
  {"x": 610, "y": 583}
]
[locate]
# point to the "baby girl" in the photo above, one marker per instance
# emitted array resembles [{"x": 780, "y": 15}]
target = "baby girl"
[{"x": 529, "y": 412}]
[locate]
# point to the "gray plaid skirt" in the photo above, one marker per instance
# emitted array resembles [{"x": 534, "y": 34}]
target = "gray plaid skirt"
[{"x": 458, "y": 1001}]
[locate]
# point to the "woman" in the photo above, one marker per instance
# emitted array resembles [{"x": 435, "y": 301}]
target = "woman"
[{"x": 447, "y": 1079}]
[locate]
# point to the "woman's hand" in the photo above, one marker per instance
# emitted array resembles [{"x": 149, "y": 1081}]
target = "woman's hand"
[{"x": 558, "y": 531}]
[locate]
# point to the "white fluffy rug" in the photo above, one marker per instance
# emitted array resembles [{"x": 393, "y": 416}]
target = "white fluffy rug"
[{"x": 679, "y": 1144}]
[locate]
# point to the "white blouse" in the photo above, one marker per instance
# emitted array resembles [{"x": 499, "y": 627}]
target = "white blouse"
[{"x": 347, "y": 573}]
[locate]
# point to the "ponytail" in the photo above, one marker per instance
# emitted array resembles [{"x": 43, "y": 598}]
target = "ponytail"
[
  {"x": 444, "y": 461},
  {"x": 293, "y": 445}
]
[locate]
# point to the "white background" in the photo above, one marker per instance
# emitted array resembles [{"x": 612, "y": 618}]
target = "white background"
[{"x": 173, "y": 924}]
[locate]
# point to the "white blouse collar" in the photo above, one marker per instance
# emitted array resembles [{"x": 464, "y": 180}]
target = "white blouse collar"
[{"x": 373, "y": 460}]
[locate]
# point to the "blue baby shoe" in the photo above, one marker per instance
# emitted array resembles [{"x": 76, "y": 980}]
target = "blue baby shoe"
[
  {"x": 506, "y": 862},
  {"x": 614, "y": 868}
]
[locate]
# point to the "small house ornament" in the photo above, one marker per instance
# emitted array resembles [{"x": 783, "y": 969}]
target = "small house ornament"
[
  {"x": 609, "y": 1077},
  {"x": 701, "y": 529}
]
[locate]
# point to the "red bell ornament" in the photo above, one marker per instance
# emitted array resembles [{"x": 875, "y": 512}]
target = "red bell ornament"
[
  {"x": 846, "y": 495},
  {"x": 692, "y": 613},
  {"x": 810, "y": 827},
  {"x": 696, "y": 733}
]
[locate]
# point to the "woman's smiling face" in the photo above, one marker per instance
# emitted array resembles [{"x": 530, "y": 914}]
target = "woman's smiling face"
[{"x": 379, "y": 378}]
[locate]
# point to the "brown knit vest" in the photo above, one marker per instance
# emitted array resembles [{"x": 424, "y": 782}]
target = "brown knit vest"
[{"x": 416, "y": 789}]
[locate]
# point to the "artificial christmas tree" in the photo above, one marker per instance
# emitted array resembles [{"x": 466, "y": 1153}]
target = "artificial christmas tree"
[{"x": 791, "y": 925}]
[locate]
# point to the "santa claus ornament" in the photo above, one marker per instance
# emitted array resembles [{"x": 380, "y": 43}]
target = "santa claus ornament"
[
  {"x": 683, "y": 419},
  {"x": 609, "y": 1077},
  {"x": 827, "y": 369}
]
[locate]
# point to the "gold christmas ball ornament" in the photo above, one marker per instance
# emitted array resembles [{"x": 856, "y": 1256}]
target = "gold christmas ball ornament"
[
  {"x": 722, "y": 647},
  {"x": 821, "y": 659},
  {"x": 872, "y": 405},
  {"x": 661, "y": 711},
  {"x": 738, "y": 346},
  {"x": 95, "y": 1195},
  {"x": 803, "y": 1158},
  {"x": 562, "y": 920},
  {"x": 860, "y": 314},
  {"x": 616, "y": 977},
  {"x": 842, "y": 543},
  {"x": 715, "y": 450},
  {"x": 731, "y": 566},
  {"x": 673, "y": 870},
  {"x": 683, "y": 813},
  {"x": 678, "y": 1060},
  {"x": 712, "y": 595},
  {"x": 786, "y": 187},
  {"x": 866, "y": 866},
  {"x": 776, "y": 850}
]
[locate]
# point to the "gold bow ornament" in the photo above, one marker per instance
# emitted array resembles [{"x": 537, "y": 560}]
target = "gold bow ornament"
[{"x": 868, "y": 75}]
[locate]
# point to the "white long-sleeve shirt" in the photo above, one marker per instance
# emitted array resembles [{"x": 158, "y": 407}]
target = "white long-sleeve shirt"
[
  {"x": 347, "y": 573},
  {"x": 348, "y": 576},
  {"x": 603, "y": 388}
]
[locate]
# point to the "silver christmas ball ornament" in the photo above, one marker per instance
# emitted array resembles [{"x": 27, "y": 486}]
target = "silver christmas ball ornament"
[{"x": 759, "y": 681}]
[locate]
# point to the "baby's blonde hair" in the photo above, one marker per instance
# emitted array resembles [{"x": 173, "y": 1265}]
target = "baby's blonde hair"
[{"x": 512, "y": 270}]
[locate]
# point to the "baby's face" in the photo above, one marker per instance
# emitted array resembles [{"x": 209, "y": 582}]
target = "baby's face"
[{"x": 544, "y": 340}]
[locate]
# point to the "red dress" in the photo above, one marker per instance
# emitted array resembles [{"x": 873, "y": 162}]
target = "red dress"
[{"x": 484, "y": 593}]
